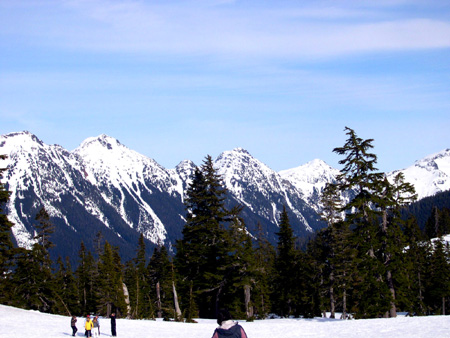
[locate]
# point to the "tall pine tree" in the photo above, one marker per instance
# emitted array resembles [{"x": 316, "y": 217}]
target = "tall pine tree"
[
  {"x": 390, "y": 199},
  {"x": 239, "y": 270},
  {"x": 86, "y": 276},
  {"x": 371, "y": 295},
  {"x": 67, "y": 290},
  {"x": 326, "y": 242},
  {"x": 284, "y": 293},
  {"x": 264, "y": 271},
  {"x": 110, "y": 287},
  {"x": 202, "y": 250}
]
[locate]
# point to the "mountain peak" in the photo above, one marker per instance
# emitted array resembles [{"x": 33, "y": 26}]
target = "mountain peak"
[
  {"x": 444, "y": 154},
  {"x": 429, "y": 175},
  {"x": 20, "y": 140},
  {"x": 233, "y": 155},
  {"x": 312, "y": 168},
  {"x": 316, "y": 163},
  {"x": 104, "y": 140},
  {"x": 24, "y": 135},
  {"x": 240, "y": 150},
  {"x": 185, "y": 164},
  {"x": 311, "y": 178}
]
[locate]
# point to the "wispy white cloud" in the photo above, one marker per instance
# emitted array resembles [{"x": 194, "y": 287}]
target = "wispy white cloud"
[{"x": 192, "y": 28}]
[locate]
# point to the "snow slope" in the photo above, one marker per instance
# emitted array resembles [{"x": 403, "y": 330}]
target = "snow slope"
[
  {"x": 310, "y": 179},
  {"x": 429, "y": 175},
  {"x": 19, "y": 323},
  {"x": 260, "y": 188}
]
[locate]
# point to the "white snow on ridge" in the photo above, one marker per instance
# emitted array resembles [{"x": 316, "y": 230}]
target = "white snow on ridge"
[
  {"x": 182, "y": 176},
  {"x": 311, "y": 177},
  {"x": 106, "y": 160},
  {"x": 245, "y": 177},
  {"x": 238, "y": 165},
  {"x": 25, "y": 152},
  {"x": 48, "y": 169},
  {"x": 429, "y": 175}
]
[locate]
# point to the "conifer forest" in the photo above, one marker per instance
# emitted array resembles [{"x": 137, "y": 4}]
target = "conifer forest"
[{"x": 372, "y": 260}]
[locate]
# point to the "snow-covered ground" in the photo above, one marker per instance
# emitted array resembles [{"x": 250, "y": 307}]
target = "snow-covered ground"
[{"x": 19, "y": 323}]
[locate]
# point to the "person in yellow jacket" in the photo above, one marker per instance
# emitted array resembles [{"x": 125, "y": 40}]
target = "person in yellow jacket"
[{"x": 88, "y": 325}]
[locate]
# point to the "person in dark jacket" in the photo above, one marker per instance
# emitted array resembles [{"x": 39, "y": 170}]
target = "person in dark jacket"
[
  {"x": 228, "y": 328},
  {"x": 73, "y": 322},
  {"x": 113, "y": 324}
]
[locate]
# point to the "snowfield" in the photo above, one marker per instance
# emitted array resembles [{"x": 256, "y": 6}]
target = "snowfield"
[{"x": 20, "y": 323}]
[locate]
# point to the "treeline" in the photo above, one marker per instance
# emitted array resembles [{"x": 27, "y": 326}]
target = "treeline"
[
  {"x": 369, "y": 262},
  {"x": 423, "y": 209}
]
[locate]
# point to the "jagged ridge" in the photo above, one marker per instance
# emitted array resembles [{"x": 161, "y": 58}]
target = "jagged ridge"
[{"x": 105, "y": 186}]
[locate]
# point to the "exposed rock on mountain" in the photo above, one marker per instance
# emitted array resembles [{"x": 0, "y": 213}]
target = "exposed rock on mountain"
[{"x": 103, "y": 186}]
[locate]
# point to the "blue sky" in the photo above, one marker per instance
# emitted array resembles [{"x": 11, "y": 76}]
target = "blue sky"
[{"x": 179, "y": 80}]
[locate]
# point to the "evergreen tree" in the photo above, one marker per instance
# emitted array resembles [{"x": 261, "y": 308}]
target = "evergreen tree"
[
  {"x": 331, "y": 204},
  {"x": 358, "y": 175},
  {"x": 33, "y": 279},
  {"x": 438, "y": 224},
  {"x": 411, "y": 294},
  {"x": 66, "y": 291},
  {"x": 137, "y": 281},
  {"x": 202, "y": 250},
  {"x": 439, "y": 278},
  {"x": 404, "y": 194},
  {"x": 343, "y": 262},
  {"x": 308, "y": 280},
  {"x": 44, "y": 230},
  {"x": 86, "y": 277},
  {"x": 239, "y": 270},
  {"x": 284, "y": 295},
  {"x": 320, "y": 253},
  {"x": 161, "y": 278},
  {"x": 324, "y": 247},
  {"x": 390, "y": 199},
  {"x": 371, "y": 295},
  {"x": 264, "y": 264},
  {"x": 130, "y": 278},
  {"x": 110, "y": 283},
  {"x": 6, "y": 245},
  {"x": 120, "y": 304}
]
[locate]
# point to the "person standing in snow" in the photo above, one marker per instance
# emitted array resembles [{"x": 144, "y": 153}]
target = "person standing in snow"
[
  {"x": 96, "y": 329},
  {"x": 88, "y": 325},
  {"x": 228, "y": 328},
  {"x": 113, "y": 324},
  {"x": 73, "y": 322}
]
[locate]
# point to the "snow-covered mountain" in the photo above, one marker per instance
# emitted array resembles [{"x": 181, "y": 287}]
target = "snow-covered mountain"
[
  {"x": 103, "y": 186},
  {"x": 264, "y": 192},
  {"x": 429, "y": 175},
  {"x": 310, "y": 179}
]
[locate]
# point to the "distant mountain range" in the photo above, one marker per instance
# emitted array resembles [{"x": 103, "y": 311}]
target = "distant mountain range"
[{"x": 103, "y": 186}]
